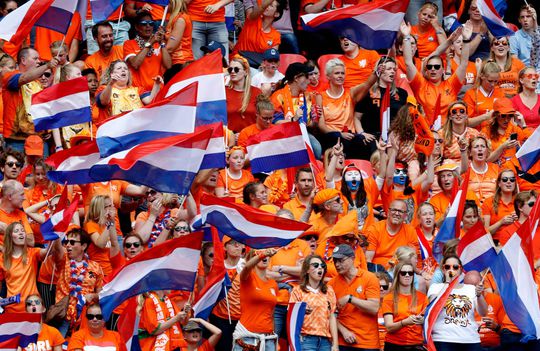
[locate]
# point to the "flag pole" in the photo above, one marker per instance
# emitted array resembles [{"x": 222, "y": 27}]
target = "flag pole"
[
  {"x": 164, "y": 15},
  {"x": 119, "y": 19},
  {"x": 61, "y": 47},
  {"x": 228, "y": 306}
]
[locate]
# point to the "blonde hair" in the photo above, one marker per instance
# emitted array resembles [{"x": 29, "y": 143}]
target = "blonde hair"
[
  {"x": 508, "y": 64},
  {"x": 247, "y": 82},
  {"x": 96, "y": 211},
  {"x": 396, "y": 285},
  {"x": 66, "y": 70},
  {"x": 448, "y": 125},
  {"x": 176, "y": 7},
  {"x": 488, "y": 67},
  {"x": 106, "y": 78}
]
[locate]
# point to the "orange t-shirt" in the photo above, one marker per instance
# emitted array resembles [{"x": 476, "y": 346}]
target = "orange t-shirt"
[
  {"x": 426, "y": 42},
  {"x": 471, "y": 73},
  {"x": 197, "y": 12},
  {"x": 410, "y": 334},
  {"x": 296, "y": 207},
  {"x": 427, "y": 93},
  {"x": 478, "y": 103},
  {"x": 258, "y": 298},
  {"x": 385, "y": 245},
  {"x": 502, "y": 211},
  {"x": 484, "y": 185},
  {"x": 15, "y": 216},
  {"x": 359, "y": 68},
  {"x": 322, "y": 307},
  {"x": 364, "y": 325},
  {"x": 183, "y": 52},
  {"x": 45, "y": 37},
  {"x": 246, "y": 133},
  {"x": 522, "y": 135},
  {"x": 48, "y": 338},
  {"x": 338, "y": 111},
  {"x": 83, "y": 340},
  {"x": 114, "y": 189},
  {"x": 35, "y": 195},
  {"x": 488, "y": 337},
  {"x": 451, "y": 151},
  {"x": 388, "y": 194},
  {"x": 99, "y": 255},
  {"x": 509, "y": 81},
  {"x": 253, "y": 38},
  {"x": 21, "y": 278},
  {"x": 441, "y": 202},
  {"x": 100, "y": 62},
  {"x": 235, "y": 186},
  {"x": 150, "y": 68},
  {"x": 231, "y": 307}
]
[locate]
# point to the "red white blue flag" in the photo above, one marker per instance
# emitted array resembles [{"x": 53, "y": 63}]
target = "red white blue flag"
[
  {"x": 72, "y": 166},
  {"x": 25, "y": 326},
  {"x": 432, "y": 313},
  {"x": 493, "y": 20},
  {"x": 529, "y": 153},
  {"x": 55, "y": 227},
  {"x": 295, "y": 320},
  {"x": 476, "y": 249}
]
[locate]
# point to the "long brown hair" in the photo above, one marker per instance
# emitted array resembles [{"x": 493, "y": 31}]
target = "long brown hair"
[
  {"x": 9, "y": 246},
  {"x": 304, "y": 276},
  {"x": 498, "y": 191},
  {"x": 396, "y": 285},
  {"x": 402, "y": 125}
]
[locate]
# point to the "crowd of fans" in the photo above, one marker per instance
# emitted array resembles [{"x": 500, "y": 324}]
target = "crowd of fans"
[{"x": 358, "y": 267}]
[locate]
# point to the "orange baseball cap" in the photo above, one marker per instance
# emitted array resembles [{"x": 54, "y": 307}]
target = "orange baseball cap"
[
  {"x": 503, "y": 105},
  {"x": 33, "y": 146}
]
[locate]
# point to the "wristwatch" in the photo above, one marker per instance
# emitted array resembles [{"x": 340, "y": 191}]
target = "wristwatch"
[{"x": 147, "y": 45}]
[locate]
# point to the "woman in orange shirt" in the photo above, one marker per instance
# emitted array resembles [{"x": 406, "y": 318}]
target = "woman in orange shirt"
[
  {"x": 319, "y": 330},
  {"x": 233, "y": 179},
  {"x": 483, "y": 173},
  {"x": 510, "y": 66},
  {"x": 403, "y": 310},
  {"x": 179, "y": 27},
  {"x": 99, "y": 224},
  {"x": 455, "y": 131},
  {"x": 258, "y": 299},
  {"x": 429, "y": 32},
  {"x": 498, "y": 211}
]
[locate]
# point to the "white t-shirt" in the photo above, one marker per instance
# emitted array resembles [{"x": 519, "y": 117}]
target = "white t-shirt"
[
  {"x": 259, "y": 79},
  {"x": 456, "y": 321}
]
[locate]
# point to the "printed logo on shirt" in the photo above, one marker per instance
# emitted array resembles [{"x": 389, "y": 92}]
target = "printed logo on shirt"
[
  {"x": 457, "y": 310},
  {"x": 362, "y": 63},
  {"x": 359, "y": 289},
  {"x": 273, "y": 291},
  {"x": 270, "y": 42}
]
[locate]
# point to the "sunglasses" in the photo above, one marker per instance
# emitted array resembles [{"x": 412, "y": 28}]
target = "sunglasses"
[
  {"x": 317, "y": 265},
  {"x": 508, "y": 179},
  {"x": 71, "y": 242},
  {"x": 454, "y": 267},
  {"x": 500, "y": 43},
  {"x": 507, "y": 115},
  {"x": 182, "y": 229},
  {"x": 384, "y": 287},
  {"x": 337, "y": 200},
  {"x": 35, "y": 302},
  {"x": 146, "y": 23},
  {"x": 233, "y": 69},
  {"x": 91, "y": 316},
  {"x": 435, "y": 67},
  {"x": 16, "y": 164},
  {"x": 457, "y": 110},
  {"x": 310, "y": 237},
  {"x": 439, "y": 141},
  {"x": 129, "y": 245},
  {"x": 47, "y": 74},
  {"x": 531, "y": 75},
  {"x": 406, "y": 273}
]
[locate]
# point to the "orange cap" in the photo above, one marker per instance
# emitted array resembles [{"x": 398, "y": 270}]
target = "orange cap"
[
  {"x": 79, "y": 138},
  {"x": 447, "y": 166},
  {"x": 325, "y": 195},
  {"x": 33, "y": 146},
  {"x": 503, "y": 105}
]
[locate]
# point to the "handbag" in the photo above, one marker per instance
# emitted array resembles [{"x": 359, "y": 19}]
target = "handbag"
[{"x": 58, "y": 311}]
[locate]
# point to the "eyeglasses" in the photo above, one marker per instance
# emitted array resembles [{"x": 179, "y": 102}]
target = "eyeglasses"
[
  {"x": 435, "y": 67},
  {"x": 151, "y": 193},
  {"x": 508, "y": 179},
  {"x": 384, "y": 287},
  {"x": 146, "y": 23},
  {"x": 47, "y": 74},
  {"x": 183, "y": 228},
  {"x": 129, "y": 245},
  {"x": 397, "y": 210},
  {"x": 16, "y": 164},
  {"x": 500, "y": 43},
  {"x": 531, "y": 75},
  {"x": 233, "y": 69},
  {"x": 36, "y": 302},
  {"x": 454, "y": 267},
  {"x": 507, "y": 115},
  {"x": 406, "y": 273},
  {"x": 310, "y": 237},
  {"x": 317, "y": 265},
  {"x": 439, "y": 141},
  {"x": 91, "y": 316},
  {"x": 337, "y": 200},
  {"x": 71, "y": 242},
  {"x": 456, "y": 110}
]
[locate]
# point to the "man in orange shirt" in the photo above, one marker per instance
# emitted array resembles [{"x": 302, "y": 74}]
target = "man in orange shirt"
[
  {"x": 12, "y": 198},
  {"x": 304, "y": 183},
  {"x": 107, "y": 53},
  {"x": 328, "y": 207},
  {"x": 146, "y": 55},
  {"x": 358, "y": 298},
  {"x": 359, "y": 63},
  {"x": 386, "y": 236}
]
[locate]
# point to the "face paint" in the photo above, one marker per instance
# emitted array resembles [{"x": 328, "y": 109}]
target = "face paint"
[
  {"x": 352, "y": 179},
  {"x": 400, "y": 176}
]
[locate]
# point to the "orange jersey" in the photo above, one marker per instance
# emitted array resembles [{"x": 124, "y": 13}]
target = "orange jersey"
[
  {"x": 359, "y": 68},
  {"x": 48, "y": 338},
  {"x": 338, "y": 111},
  {"x": 322, "y": 307},
  {"x": 183, "y": 53},
  {"x": 388, "y": 194},
  {"x": 451, "y": 151},
  {"x": 364, "y": 325},
  {"x": 426, "y": 42},
  {"x": 441, "y": 202},
  {"x": 258, "y": 299},
  {"x": 254, "y": 38},
  {"x": 509, "y": 81},
  {"x": 45, "y": 37},
  {"x": 234, "y": 186},
  {"x": 97, "y": 254},
  {"x": 83, "y": 340},
  {"x": 478, "y": 102},
  {"x": 470, "y": 74},
  {"x": 296, "y": 207},
  {"x": 100, "y": 62},
  {"x": 384, "y": 244},
  {"x": 483, "y": 184},
  {"x": 246, "y": 133},
  {"x": 522, "y": 135},
  {"x": 503, "y": 210},
  {"x": 21, "y": 277},
  {"x": 410, "y": 334},
  {"x": 150, "y": 68},
  {"x": 15, "y": 216}
]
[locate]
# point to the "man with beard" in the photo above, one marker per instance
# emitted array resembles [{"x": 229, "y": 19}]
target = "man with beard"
[
  {"x": 386, "y": 236},
  {"x": 146, "y": 54},
  {"x": 107, "y": 53},
  {"x": 304, "y": 185}
]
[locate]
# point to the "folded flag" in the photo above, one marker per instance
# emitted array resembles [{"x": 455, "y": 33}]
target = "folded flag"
[
  {"x": 248, "y": 225},
  {"x": 295, "y": 320},
  {"x": 385, "y": 115},
  {"x": 211, "y": 99},
  {"x": 55, "y": 227},
  {"x": 168, "y": 164},
  {"x": 433, "y": 310},
  {"x": 25, "y": 326},
  {"x": 529, "y": 153},
  {"x": 172, "y": 116},
  {"x": 172, "y": 266},
  {"x": 493, "y": 20},
  {"x": 128, "y": 325},
  {"x": 278, "y": 147},
  {"x": 52, "y": 14},
  {"x": 102, "y": 9},
  {"x": 10, "y": 345},
  {"x": 373, "y": 25},
  {"x": 425, "y": 248},
  {"x": 476, "y": 249},
  {"x": 73, "y": 165},
  {"x": 63, "y": 104}
]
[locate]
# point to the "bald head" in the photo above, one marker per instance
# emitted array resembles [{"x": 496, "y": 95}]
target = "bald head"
[{"x": 472, "y": 278}]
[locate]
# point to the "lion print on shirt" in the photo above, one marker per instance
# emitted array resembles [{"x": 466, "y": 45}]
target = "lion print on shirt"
[{"x": 457, "y": 309}]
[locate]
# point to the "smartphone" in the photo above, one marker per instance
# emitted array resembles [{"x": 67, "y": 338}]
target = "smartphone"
[{"x": 513, "y": 136}]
